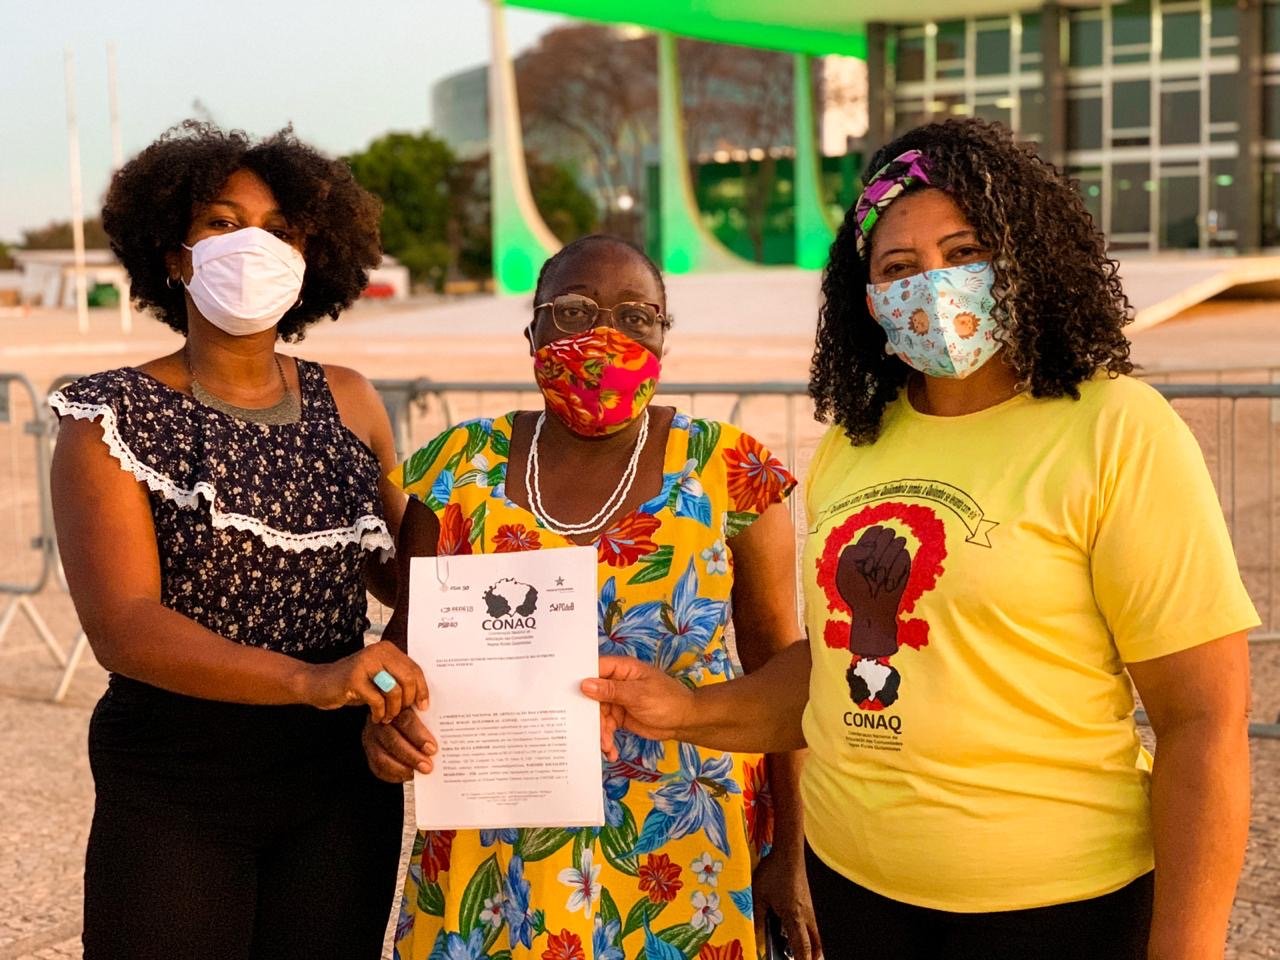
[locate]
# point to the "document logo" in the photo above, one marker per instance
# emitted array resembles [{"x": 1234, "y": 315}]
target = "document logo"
[{"x": 511, "y": 605}]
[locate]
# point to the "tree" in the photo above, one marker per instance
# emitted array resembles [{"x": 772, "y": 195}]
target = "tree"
[
  {"x": 566, "y": 208},
  {"x": 6, "y": 259},
  {"x": 588, "y": 93},
  {"x": 57, "y": 235},
  {"x": 739, "y": 100},
  {"x": 411, "y": 173},
  {"x": 436, "y": 208}
]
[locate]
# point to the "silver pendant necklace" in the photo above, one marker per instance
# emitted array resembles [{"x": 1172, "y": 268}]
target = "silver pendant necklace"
[{"x": 288, "y": 409}]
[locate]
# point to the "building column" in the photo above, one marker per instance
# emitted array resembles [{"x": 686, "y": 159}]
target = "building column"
[
  {"x": 1054, "y": 70},
  {"x": 1249, "y": 140},
  {"x": 813, "y": 232},
  {"x": 521, "y": 240},
  {"x": 687, "y": 246},
  {"x": 879, "y": 91}
]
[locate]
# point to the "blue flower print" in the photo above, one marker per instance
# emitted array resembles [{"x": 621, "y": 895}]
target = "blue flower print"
[
  {"x": 715, "y": 660},
  {"x": 689, "y": 621},
  {"x": 683, "y": 492},
  {"x": 633, "y": 748},
  {"x": 442, "y": 489},
  {"x": 629, "y": 633},
  {"x": 718, "y": 662},
  {"x": 404, "y": 923},
  {"x": 681, "y": 421},
  {"x": 690, "y": 802},
  {"x": 451, "y": 946},
  {"x": 615, "y": 788},
  {"x": 693, "y": 801},
  {"x": 499, "y": 491},
  {"x": 604, "y": 939},
  {"x": 505, "y": 835},
  {"x": 515, "y": 906}
]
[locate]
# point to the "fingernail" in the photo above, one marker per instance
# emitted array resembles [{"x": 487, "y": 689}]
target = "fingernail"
[{"x": 424, "y": 767}]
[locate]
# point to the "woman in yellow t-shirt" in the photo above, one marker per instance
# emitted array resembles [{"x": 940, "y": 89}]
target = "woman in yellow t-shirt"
[{"x": 1004, "y": 530}]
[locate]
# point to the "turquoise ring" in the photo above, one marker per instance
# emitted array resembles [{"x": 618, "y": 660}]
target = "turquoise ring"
[{"x": 384, "y": 681}]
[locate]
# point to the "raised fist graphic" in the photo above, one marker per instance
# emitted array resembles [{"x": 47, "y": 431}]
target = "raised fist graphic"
[{"x": 871, "y": 577}]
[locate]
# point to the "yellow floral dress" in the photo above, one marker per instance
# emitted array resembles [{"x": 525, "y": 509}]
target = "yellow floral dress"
[{"x": 669, "y": 874}]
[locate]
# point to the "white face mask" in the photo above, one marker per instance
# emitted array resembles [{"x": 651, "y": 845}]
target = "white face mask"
[{"x": 243, "y": 282}]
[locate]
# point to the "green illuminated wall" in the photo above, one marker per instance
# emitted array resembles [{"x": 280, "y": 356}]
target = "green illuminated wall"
[
  {"x": 687, "y": 247},
  {"x": 521, "y": 240},
  {"x": 815, "y": 27},
  {"x": 813, "y": 230},
  {"x": 805, "y": 27}
]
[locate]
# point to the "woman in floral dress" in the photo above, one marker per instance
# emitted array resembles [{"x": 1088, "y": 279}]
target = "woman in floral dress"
[{"x": 690, "y": 525}]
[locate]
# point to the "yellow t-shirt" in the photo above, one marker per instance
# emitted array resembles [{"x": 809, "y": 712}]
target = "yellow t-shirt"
[{"x": 974, "y": 586}]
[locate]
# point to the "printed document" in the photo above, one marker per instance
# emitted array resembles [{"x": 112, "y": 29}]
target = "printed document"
[{"x": 505, "y": 639}]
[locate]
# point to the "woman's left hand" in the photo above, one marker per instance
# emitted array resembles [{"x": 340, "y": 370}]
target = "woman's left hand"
[{"x": 781, "y": 887}]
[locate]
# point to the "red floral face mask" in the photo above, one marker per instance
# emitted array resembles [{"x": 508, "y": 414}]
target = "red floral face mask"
[{"x": 596, "y": 382}]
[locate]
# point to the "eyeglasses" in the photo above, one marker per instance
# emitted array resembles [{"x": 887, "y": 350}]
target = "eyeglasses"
[{"x": 573, "y": 313}]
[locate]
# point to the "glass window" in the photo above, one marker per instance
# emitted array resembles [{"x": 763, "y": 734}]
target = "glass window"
[
  {"x": 1085, "y": 40},
  {"x": 948, "y": 105},
  {"x": 1179, "y": 210},
  {"x": 1130, "y": 104},
  {"x": 1131, "y": 23},
  {"x": 1031, "y": 122},
  {"x": 1271, "y": 111},
  {"x": 1084, "y": 122},
  {"x": 1031, "y": 33},
  {"x": 998, "y": 110},
  {"x": 992, "y": 56},
  {"x": 907, "y": 115},
  {"x": 1180, "y": 116},
  {"x": 950, "y": 49},
  {"x": 1130, "y": 198},
  {"x": 1271, "y": 205},
  {"x": 1089, "y": 183},
  {"x": 1224, "y": 22},
  {"x": 1181, "y": 32},
  {"x": 910, "y": 57},
  {"x": 1220, "y": 229},
  {"x": 1271, "y": 26},
  {"x": 1222, "y": 98}
]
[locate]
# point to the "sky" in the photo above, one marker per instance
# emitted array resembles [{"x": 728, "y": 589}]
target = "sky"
[{"x": 342, "y": 72}]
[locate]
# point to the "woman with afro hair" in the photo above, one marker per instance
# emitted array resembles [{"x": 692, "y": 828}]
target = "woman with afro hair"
[
  {"x": 220, "y": 514},
  {"x": 1007, "y": 535}
]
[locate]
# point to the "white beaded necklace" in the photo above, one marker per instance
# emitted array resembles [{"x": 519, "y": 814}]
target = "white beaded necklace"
[{"x": 532, "y": 483}]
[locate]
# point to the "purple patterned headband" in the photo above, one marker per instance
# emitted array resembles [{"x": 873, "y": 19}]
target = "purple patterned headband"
[{"x": 890, "y": 180}]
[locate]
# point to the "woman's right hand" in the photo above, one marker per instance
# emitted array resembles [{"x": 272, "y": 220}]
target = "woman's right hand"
[
  {"x": 397, "y": 749},
  {"x": 350, "y": 680},
  {"x": 639, "y": 697}
]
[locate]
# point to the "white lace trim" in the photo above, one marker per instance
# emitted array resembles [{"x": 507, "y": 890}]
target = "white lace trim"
[{"x": 369, "y": 531}]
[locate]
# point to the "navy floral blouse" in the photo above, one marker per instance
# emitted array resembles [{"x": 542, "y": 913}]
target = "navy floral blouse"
[{"x": 262, "y": 530}]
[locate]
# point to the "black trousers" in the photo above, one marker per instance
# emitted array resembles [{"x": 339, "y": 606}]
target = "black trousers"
[
  {"x": 236, "y": 833},
  {"x": 854, "y": 922}
]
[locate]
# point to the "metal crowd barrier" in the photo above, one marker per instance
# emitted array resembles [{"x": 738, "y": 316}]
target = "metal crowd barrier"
[
  {"x": 1219, "y": 413},
  {"x": 25, "y": 509}
]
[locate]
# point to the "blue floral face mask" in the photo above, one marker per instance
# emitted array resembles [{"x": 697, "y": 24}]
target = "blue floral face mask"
[{"x": 939, "y": 322}]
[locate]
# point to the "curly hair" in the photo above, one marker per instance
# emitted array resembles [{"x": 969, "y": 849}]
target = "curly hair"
[
  {"x": 1060, "y": 306},
  {"x": 152, "y": 199}
]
